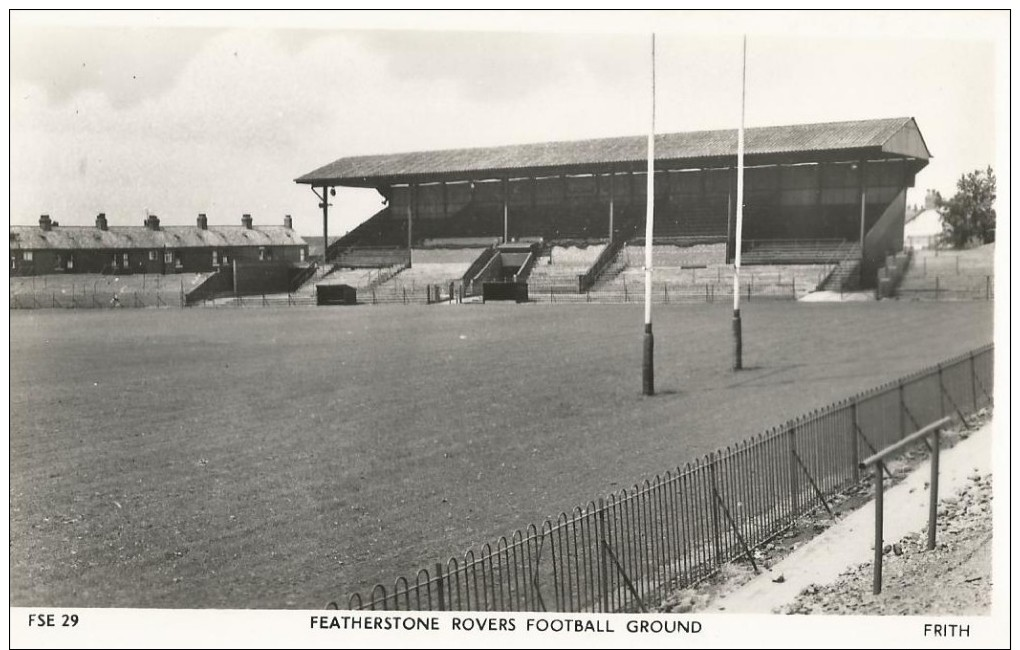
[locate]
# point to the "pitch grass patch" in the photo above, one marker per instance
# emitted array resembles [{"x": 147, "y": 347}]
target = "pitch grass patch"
[{"x": 285, "y": 457}]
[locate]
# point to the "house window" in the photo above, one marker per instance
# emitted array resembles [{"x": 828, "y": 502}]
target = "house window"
[
  {"x": 14, "y": 262},
  {"x": 168, "y": 257},
  {"x": 215, "y": 258},
  {"x": 27, "y": 256},
  {"x": 226, "y": 260},
  {"x": 153, "y": 256},
  {"x": 70, "y": 262},
  {"x": 262, "y": 254},
  {"x": 303, "y": 252},
  {"x": 126, "y": 259}
]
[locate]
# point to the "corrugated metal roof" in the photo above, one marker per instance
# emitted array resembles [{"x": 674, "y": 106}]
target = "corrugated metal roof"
[
  {"x": 829, "y": 136},
  {"x": 129, "y": 237}
]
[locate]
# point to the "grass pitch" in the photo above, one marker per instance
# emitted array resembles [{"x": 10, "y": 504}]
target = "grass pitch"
[{"x": 285, "y": 457}]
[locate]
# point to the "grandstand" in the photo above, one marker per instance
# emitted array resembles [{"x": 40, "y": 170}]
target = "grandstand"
[{"x": 830, "y": 196}]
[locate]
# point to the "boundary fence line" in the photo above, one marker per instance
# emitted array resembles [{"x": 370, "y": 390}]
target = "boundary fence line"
[{"x": 627, "y": 551}]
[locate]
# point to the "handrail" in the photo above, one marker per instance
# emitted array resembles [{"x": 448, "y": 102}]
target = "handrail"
[
  {"x": 303, "y": 276},
  {"x": 933, "y": 490},
  {"x": 905, "y": 442},
  {"x": 525, "y": 270},
  {"x": 480, "y": 263},
  {"x": 587, "y": 279}
]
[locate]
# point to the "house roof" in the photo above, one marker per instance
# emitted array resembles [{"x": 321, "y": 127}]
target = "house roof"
[
  {"x": 134, "y": 237},
  {"x": 892, "y": 137}
]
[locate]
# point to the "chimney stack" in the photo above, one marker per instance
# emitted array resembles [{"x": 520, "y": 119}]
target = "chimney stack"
[
  {"x": 203, "y": 222},
  {"x": 101, "y": 221},
  {"x": 929, "y": 199},
  {"x": 45, "y": 223},
  {"x": 152, "y": 222},
  {"x": 246, "y": 221},
  {"x": 287, "y": 222}
]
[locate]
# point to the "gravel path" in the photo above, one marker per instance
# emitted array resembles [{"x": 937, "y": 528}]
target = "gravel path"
[{"x": 955, "y": 578}]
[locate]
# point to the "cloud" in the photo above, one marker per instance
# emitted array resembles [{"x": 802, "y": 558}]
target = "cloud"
[
  {"x": 222, "y": 121},
  {"x": 128, "y": 65}
]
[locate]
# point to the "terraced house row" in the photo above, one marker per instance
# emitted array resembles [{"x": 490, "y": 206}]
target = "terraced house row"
[{"x": 150, "y": 248}]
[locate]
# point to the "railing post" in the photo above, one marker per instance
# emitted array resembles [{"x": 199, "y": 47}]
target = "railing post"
[
  {"x": 973, "y": 381},
  {"x": 876, "y": 587},
  {"x": 942, "y": 394},
  {"x": 603, "y": 555},
  {"x": 933, "y": 497},
  {"x": 794, "y": 478},
  {"x": 936, "y": 288},
  {"x": 716, "y": 533},
  {"x": 855, "y": 425},
  {"x": 988, "y": 287},
  {"x": 439, "y": 587},
  {"x": 903, "y": 413}
]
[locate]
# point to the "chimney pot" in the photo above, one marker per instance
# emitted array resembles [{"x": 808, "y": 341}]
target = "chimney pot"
[
  {"x": 152, "y": 222},
  {"x": 287, "y": 222},
  {"x": 101, "y": 221},
  {"x": 246, "y": 221},
  {"x": 203, "y": 222},
  {"x": 45, "y": 223}
]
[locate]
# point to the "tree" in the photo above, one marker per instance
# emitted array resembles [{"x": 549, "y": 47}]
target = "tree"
[{"x": 970, "y": 215}]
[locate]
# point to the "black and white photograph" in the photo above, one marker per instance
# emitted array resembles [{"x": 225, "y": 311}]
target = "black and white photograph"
[{"x": 489, "y": 328}]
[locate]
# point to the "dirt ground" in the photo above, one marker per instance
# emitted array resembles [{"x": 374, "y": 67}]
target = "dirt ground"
[{"x": 960, "y": 567}]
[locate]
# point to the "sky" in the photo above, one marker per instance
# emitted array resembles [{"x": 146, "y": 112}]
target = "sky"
[{"x": 167, "y": 114}]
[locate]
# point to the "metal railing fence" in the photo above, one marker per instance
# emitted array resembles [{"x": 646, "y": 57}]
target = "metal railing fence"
[{"x": 627, "y": 551}]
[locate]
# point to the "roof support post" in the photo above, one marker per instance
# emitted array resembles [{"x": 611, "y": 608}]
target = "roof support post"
[
  {"x": 412, "y": 197},
  {"x": 446, "y": 202},
  {"x": 324, "y": 204},
  {"x": 506, "y": 209},
  {"x": 325, "y": 224},
  {"x": 863, "y": 182},
  {"x": 612, "y": 197}
]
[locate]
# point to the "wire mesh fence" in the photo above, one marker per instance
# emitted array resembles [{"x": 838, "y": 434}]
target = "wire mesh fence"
[
  {"x": 666, "y": 293},
  {"x": 627, "y": 551},
  {"x": 948, "y": 287}
]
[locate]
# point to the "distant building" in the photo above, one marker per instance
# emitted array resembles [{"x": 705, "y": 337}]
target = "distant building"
[
  {"x": 924, "y": 227},
  {"x": 923, "y": 231},
  {"x": 149, "y": 248}
]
